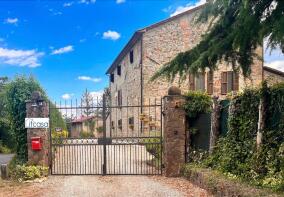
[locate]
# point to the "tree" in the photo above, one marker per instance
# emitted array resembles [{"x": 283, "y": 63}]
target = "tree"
[
  {"x": 19, "y": 91},
  {"x": 3, "y": 83},
  {"x": 6, "y": 137},
  {"x": 239, "y": 27},
  {"x": 87, "y": 102}
]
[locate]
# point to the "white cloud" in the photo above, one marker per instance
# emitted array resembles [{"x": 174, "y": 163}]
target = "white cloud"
[
  {"x": 97, "y": 94},
  {"x": 11, "y": 20},
  {"x": 87, "y": 78},
  {"x": 112, "y": 35},
  {"x": 68, "y": 4},
  {"x": 278, "y": 65},
  {"x": 29, "y": 58},
  {"x": 87, "y": 1},
  {"x": 120, "y": 1},
  {"x": 54, "y": 12},
  {"x": 62, "y": 50},
  {"x": 82, "y": 40},
  {"x": 188, "y": 6},
  {"x": 67, "y": 96}
]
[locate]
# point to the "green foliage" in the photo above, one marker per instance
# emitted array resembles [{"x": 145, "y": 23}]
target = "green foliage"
[
  {"x": 18, "y": 92},
  {"x": 100, "y": 129},
  {"x": 154, "y": 147},
  {"x": 4, "y": 149},
  {"x": 56, "y": 118},
  {"x": 237, "y": 28},
  {"x": 58, "y": 136},
  {"x": 236, "y": 153},
  {"x": 197, "y": 156},
  {"x": 24, "y": 172},
  {"x": 197, "y": 103},
  {"x": 6, "y": 136},
  {"x": 85, "y": 134}
]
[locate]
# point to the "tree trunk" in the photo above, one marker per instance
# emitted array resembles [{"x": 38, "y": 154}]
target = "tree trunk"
[{"x": 215, "y": 124}]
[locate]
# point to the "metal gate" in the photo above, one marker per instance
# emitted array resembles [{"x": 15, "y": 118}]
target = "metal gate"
[{"x": 93, "y": 137}]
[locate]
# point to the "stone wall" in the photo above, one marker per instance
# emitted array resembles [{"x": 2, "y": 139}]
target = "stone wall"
[
  {"x": 162, "y": 43},
  {"x": 159, "y": 44},
  {"x": 129, "y": 83}
]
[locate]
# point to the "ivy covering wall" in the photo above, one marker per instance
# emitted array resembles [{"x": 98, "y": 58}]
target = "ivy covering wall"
[{"x": 236, "y": 153}]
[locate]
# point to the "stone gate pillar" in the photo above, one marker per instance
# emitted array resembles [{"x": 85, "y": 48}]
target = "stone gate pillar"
[
  {"x": 38, "y": 108},
  {"x": 174, "y": 132}
]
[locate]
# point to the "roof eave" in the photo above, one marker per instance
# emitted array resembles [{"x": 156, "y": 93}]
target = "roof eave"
[{"x": 136, "y": 36}]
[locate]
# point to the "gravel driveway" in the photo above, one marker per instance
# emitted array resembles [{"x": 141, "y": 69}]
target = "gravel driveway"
[{"x": 106, "y": 186}]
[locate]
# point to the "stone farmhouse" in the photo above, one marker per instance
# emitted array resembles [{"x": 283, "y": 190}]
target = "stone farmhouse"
[
  {"x": 86, "y": 124},
  {"x": 153, "y": 46}
]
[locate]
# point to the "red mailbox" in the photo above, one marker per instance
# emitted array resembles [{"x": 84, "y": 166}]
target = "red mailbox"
[{"x": 36, "y": 143}]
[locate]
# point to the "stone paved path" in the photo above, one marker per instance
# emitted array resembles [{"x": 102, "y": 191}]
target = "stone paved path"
[{"x": 106, "y": 186}]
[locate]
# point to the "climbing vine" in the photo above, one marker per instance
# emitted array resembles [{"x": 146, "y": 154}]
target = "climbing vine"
[
  {"x": 236, "y": 153},
  {"x": 197, "y": 103}
]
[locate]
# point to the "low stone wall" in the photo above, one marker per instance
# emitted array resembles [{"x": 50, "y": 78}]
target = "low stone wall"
[{"x": 219, "y": 185}]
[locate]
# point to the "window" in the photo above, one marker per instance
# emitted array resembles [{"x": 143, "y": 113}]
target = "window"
[
  {"x": 119, "y": 122},
  {"x": 210, "y": 82},
  {"x": 119, "y": 98},
  {"x": 112, "y": 124},
  {"x": 229, "y": 82},
  {"x": 131, "y": 121},
  {"x": 112, "y": 78},
  {"x": 131, "y": 56},
  {"x": 119, "y": 70},
  {"x": 197, "y": 82},
  {"x": 191, "y": 82},
  {"x": 200, "y": 82}
]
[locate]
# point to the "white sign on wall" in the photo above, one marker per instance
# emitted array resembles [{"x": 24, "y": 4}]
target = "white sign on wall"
[{"x": 36, "y": 123}]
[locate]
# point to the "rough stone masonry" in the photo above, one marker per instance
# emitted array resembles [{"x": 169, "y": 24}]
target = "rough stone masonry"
[
  {"x": 38, "y": 108},
  {"x": 174, "y": 132}
]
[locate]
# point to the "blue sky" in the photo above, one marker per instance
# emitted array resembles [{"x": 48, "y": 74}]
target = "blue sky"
[{"x": 68, "y": 45}]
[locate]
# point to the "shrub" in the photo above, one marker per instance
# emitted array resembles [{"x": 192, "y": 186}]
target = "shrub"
[
  {"x": 85, "y": 134},
  {"x": 24, "y": 172},
  {"x": 100, "y": 129},
  {"x": 4, "y": 149},
  {"x": 153, "y": 146},
  {"x": 236, "y": 152},
  {"x": 197, "y": 103}
]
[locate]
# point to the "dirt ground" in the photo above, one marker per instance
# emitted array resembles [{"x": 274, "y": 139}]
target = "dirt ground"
[{"x": 104, "y": 186}]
